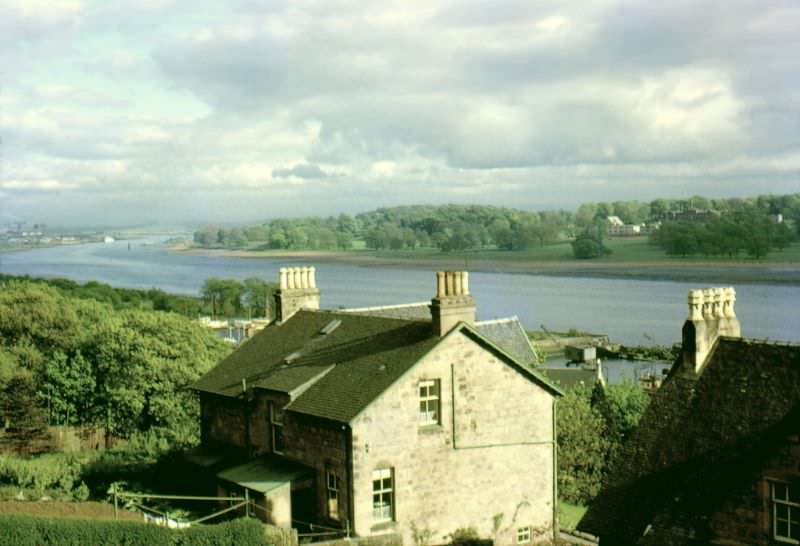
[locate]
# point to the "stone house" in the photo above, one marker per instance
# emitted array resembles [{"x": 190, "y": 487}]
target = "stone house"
[
  {"x": 716, "y": 457},
  {"x": 386, "y": 420}
]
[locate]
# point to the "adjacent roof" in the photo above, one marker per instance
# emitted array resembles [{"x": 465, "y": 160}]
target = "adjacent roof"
[
  {"x": 700, "y": 438},
  {"x": 569, "y": 378},
  {"x": 509, "y": 334},
  {"x": 335, "y": 363},
  {"x": 265, "y": 474}
]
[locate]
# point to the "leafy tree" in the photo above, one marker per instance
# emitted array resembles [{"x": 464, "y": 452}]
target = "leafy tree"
[
  {"x": 622, "y": 407},
  {"x": 582, "y": 446}
]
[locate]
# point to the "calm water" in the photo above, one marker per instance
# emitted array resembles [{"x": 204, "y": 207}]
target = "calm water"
[{"x": 629, "y": 311}]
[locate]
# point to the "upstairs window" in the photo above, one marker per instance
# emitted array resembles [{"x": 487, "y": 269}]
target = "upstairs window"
[
  {"x": 429, "y": 402},
  {"x": 785, "y": 512},
  {"x": 332, "y": 482},
  {"x": 276, "y": 428},
  {"x": 382, "y": 495}
]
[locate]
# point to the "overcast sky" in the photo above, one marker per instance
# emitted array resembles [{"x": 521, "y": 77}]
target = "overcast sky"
[{"x": 137, "y": 111}]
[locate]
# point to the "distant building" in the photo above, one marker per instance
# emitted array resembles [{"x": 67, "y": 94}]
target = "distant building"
[
  {"x": 716, "y": 457},
  {"x": 384, "y": 420},
  {"x": 108, "y": 239}
]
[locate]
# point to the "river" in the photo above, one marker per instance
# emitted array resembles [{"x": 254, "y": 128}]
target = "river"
[{"x": 634, "y": 312}]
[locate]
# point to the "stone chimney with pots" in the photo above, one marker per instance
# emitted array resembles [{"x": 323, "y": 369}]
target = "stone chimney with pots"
[
  {"x": 297, "y": 290},
  {"x": 453, "y": 302},
  {"x": 711, "y": 315}
]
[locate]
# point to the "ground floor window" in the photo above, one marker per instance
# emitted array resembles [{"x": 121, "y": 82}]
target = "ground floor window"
[
  {"x": 276, "y": 427},
  {"x": 383, "y": 494},
  {"x": 785, "y": 512},
  {"x": 332, "y": 481},
  {"x": 523, "y": 535}
]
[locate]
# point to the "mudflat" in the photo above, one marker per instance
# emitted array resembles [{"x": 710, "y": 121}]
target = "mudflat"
[{"x": 729, "y": 271}]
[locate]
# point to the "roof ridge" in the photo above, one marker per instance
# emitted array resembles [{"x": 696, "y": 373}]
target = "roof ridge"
[
  {"x": 512, "y": 318},
  {"x": 761, "y": 341},
  {"x": 382, "y": 307}
]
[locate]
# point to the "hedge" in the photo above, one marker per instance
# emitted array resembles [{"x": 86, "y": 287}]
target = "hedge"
[{"x": 16, "y": 530}]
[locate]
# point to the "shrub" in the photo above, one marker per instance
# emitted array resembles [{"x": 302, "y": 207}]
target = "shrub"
[
  {"x": 468, "y": 536},
  {"x": 34, "y": 531}
]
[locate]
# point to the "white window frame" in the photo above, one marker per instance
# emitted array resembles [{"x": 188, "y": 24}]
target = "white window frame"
[
  {"x": 524, "y": 535},
  {"x": 332, "y": 487},
  {"x": 430, "y": 402},
  {"x": 383, "y": 492},
  {"x": 792, "y": 511},
  {"x": 276, "y": 427}
]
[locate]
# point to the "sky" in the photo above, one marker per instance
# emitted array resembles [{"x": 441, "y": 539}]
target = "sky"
[{"x": 156, "y": 111}]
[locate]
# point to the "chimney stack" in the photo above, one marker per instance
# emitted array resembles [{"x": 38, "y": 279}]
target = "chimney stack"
[
  {"x": 711, "y": 315},
  {"x": 297, "y": 290},
  {"x": 453, "y": 302}
]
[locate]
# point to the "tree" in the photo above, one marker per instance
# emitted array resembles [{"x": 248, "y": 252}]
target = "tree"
[
  {"x": 622, "y": 407},
  {"x": 582, "y": 446}
]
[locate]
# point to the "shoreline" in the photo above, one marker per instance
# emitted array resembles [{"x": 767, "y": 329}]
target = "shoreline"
[{"x": 778, "y": 273}]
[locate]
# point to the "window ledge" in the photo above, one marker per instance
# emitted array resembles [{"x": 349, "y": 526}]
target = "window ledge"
[
  {"x": 383, "y": 526},
  {"x": 430, "y": 429}
]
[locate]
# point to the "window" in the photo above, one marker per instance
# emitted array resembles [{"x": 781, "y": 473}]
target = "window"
[
  {"x": 382, "y": 495},
  {"x": 429, "y": 405},
  {"x": 523, "y": 535},
  {"x": 276, "y": 426},
  {"x": 332, "y": 481},
  {"x": 785, "y": 512}
]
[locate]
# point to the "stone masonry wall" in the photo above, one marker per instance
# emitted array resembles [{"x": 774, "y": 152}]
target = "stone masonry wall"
[
  {"x": 322, "y": 446},
  {"x": 747, "y": 515},
  {"x": 223, "y": 421},
  {"x": 487, "y": 465}
]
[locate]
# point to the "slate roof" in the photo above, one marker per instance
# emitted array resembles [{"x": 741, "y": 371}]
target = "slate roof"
[
  {"x": 569, "y": 378},
  {"x": 508, "y": 333},
  {"x": 700, "y": 438},
  {"x": 344, "y": 370}
]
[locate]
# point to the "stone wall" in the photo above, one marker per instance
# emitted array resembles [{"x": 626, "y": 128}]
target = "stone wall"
[
  {"x": 487, "y": 465},
  {"x": 321, "y": 445},
  {"x": 746, "y": 516}
]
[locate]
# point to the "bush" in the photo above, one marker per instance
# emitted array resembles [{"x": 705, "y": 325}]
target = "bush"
[
  {"x": 468, "y": 536},
  {"x": 33, "y": 531},
  {"x": 58, "y": 473}
]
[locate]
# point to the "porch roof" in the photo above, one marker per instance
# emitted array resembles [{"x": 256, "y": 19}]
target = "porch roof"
[{"x": 265, "y": 474}]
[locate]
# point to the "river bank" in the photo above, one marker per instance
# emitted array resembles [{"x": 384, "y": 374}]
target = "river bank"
[{"x": 727, "y": 272}]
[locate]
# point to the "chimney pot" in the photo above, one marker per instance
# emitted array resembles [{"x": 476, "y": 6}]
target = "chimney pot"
[{"x": 452, "y": 303}]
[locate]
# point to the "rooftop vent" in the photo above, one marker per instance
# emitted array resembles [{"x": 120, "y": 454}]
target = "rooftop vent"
[
  {"x": 292, "y": 357},
  {"x": 330, "y": 327}
]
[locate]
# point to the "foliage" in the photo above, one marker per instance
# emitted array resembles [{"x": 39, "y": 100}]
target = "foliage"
[
  {"x": 582, "y": 446},
  {"x": 40, "y": 474},
  {"x": 120, "y": 298},
  {"x": 747, "y": 230},
  {"x": 589, "y": 244},
  {"x": 569, "y": 514},
  {"x": 468, "y": 536},
  {"x": 622, "y": 406},
  {"x": 67, "y": 360},
  {"x": 17, "y": 530},
  {"x": 231, "y": 297}
]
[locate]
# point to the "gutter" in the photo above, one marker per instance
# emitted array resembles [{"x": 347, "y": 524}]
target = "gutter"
[
  {"x": 351, "y": 514},
  {"x": 555, "y": 474}
]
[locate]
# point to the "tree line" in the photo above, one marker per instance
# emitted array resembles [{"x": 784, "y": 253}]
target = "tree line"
[
  {"x": 219, "y": 298},
  {"x": 748, "y": 230},
  {"x": 466, "y": 227}
]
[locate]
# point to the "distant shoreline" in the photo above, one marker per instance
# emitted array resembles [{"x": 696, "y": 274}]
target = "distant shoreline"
[{"x": 780, "y": 273}]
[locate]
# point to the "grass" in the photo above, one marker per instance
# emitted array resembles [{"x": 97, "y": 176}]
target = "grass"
[{"x": 569, "y": 514}]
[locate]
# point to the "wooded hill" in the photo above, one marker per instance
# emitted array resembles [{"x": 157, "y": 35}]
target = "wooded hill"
[{"x": 462, "y": 227}]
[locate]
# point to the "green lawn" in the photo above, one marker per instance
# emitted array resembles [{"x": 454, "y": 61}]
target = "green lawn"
[{"x": 569, "y": 514}]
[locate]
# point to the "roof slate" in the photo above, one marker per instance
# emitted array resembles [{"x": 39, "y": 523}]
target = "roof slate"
[
  {"x": 569, "y": 378},
  {"x": 350, "y": 366},
  {"x": 510, "y": 336},
  {"x": 700, "y": 438}
]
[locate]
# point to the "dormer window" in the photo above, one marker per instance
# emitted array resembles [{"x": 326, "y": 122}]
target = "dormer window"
[{"x": 429, "y": 402}]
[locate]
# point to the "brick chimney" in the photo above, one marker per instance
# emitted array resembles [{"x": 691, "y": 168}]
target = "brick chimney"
[
  {"x": 297, "y": 290},
  {"x": 453, "y": 302},
  {"x": 711, "y": 315}
]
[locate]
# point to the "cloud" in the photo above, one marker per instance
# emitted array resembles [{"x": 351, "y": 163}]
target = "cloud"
[
  {"x": 317, "y": 107},
  {"x": 301, "y": 170}
]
